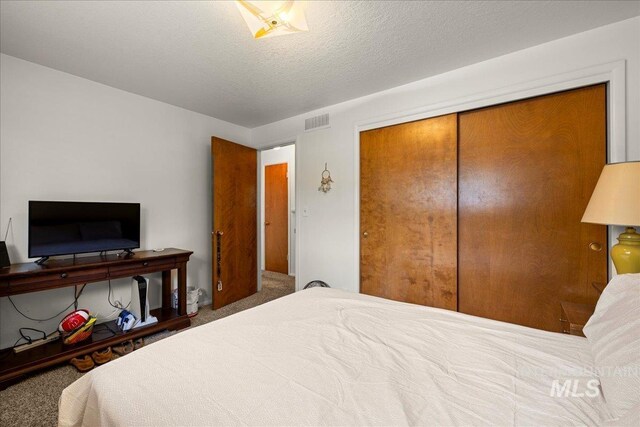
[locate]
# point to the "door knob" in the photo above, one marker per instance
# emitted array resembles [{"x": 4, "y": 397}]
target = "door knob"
[
  {"x": 365, "y": 234},
  {"x": 267, "y": 223},
  {"x": 595, "y": 246}
]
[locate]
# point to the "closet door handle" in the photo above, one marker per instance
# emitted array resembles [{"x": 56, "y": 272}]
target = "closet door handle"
[
  {"x": 365, "y": 234},
  {"x": 595, "y": 246}
]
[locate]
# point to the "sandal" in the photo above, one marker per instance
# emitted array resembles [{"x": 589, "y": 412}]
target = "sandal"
[
  {"x": 101, "y": 357},
  {"x": 83, "y": 364},
  {"x": 138, "y": 343},
  {"x": 123, "y": 348}
]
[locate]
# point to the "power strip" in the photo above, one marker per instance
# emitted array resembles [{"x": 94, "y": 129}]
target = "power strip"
[{"x": 51, "y": 337}]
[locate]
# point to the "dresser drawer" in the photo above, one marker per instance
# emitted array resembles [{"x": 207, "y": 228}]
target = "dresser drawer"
[
  {"x": 142, "y": 266},
  {"x": 57, "y": 279}
]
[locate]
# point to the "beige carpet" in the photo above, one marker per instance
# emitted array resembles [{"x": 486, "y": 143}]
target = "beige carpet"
[{"x": 34, "y": 401}]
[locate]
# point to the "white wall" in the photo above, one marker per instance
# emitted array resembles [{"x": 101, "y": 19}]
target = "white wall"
[
  {"x": 66, "y": 138},
  {"x": 328, "y": 235},
  {"x": 286, "y": 154},
  {"x": 325, "y": 220}
]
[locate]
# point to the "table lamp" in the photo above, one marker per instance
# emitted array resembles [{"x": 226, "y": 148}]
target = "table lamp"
[{"x": 616, "y": 201}]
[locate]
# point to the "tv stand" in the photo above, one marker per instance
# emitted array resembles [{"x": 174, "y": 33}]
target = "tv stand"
[
  {"x": 60, "y": 273},
  {"x": 42, "y": 260}
]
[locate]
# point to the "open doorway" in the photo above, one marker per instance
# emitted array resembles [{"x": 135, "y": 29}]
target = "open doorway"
[{"x": 277, "y": 216}]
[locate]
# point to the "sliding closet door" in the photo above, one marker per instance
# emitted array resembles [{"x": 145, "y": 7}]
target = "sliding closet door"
[
  {"x": 408, "y": 212},
  {"x": 526, "y": 173}
]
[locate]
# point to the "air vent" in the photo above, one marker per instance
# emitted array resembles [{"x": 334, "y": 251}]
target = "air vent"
[{"x": 316, "y": 122}]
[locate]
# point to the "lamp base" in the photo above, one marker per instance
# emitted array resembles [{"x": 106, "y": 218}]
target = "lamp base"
[{"x": 626, "y": 254}]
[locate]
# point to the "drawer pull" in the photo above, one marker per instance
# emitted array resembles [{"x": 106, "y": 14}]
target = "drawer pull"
[
  {"x": 146, "y": 263},
  {"x": 63, "y": 276}
]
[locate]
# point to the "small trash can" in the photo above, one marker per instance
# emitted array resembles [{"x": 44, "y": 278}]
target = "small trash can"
[{"x": 193, "y": 296}]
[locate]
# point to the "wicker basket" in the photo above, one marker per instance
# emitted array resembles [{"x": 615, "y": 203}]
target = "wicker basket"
[{"x": 79, "y": 334}]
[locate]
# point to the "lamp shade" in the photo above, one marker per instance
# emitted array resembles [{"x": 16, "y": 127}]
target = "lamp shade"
[{"x": 616, "y": 198}]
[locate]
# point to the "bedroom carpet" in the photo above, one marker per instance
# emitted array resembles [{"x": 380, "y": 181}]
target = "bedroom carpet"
[{"x": 34, "y": 401}]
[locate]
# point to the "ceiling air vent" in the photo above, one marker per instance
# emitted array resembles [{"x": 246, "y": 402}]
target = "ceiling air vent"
[{"x": 316, "y": 122}]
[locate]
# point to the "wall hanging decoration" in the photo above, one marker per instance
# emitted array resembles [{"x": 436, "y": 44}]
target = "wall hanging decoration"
[{"x": 325, "y": 182}]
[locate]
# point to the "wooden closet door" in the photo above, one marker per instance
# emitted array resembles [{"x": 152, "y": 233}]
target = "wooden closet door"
[
  {"x": 408, "y": 212},
  {"x": 526, "y": 173}
]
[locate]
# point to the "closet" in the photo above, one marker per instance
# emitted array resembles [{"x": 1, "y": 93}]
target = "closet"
[
  {"x": 408, "y": 212},
  {"x": 480, "y": 211}
]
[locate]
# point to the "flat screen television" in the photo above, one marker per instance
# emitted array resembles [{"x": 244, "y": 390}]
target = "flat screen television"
[{"x": 65, "y": 228}]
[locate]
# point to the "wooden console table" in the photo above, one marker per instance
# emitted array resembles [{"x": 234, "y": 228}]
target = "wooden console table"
[{"x": 59, "y": 273}]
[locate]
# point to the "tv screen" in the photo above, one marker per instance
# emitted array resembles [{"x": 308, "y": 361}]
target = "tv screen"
[{"x": 64, "y": 228}]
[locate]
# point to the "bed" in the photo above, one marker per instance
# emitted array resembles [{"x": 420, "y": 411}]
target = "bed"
[{"x": 328, "y": 357}]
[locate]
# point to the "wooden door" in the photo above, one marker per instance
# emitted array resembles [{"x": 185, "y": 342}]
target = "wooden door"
[
  {"x": 526, "y": 173},
  {"x": 234, "y": 237},
  {"x": 276, "y": 214},
  {"x": 408, "y": 212}
]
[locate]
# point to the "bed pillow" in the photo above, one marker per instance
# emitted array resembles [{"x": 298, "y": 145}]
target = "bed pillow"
[{"x": 613, "y": 333}]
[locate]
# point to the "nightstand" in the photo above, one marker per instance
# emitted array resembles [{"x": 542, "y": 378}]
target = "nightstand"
[
  {"x": 574, "y": 317},
  {"x": 599, "y": 286}
]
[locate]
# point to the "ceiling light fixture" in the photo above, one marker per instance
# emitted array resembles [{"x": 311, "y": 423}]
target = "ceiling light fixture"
[{"x": 273, "y": 18}]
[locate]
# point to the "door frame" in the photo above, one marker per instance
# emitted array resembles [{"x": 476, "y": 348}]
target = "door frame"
[
  {"x": 611, "y": 73},
  {"x": 291, "y": 208}
]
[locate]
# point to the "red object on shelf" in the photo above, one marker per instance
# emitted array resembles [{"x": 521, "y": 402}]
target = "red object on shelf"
[{"x": 74, "y": 320}]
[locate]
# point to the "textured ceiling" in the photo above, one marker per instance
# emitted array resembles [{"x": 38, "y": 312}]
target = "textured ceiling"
[{"x": 201, "y": 56}]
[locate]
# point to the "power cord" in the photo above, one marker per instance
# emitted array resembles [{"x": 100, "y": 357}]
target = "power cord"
[
  {"x": 27, "y": 338},
  {"x": 74, "y": 303},
  {"x": 115, "y": 304}
]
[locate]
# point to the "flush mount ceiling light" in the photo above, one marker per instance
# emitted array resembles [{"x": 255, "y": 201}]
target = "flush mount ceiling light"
[{"x": 273, "y": 18}]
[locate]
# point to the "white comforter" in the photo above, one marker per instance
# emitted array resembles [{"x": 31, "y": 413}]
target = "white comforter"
[{"x": 327, "y": 357}]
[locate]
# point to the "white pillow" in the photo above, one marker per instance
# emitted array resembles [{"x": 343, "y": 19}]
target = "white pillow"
[{"x": 613, "y": 333}]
